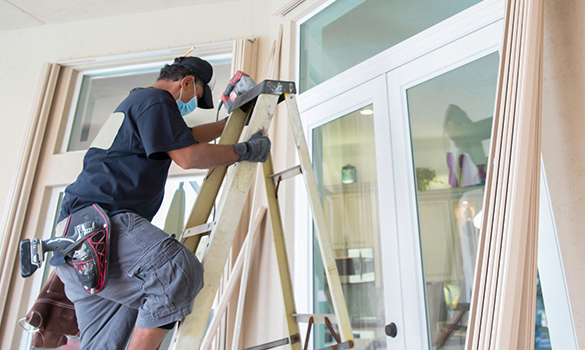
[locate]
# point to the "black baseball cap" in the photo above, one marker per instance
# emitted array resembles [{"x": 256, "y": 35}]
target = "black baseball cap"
[{"x": 203, "y": 70}]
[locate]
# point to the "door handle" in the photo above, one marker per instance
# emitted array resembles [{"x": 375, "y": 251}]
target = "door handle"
[{"x": 391, "y": 330}]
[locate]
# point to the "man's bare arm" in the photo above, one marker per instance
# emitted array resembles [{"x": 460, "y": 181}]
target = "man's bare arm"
[
  {"x": 207, "y": 156},
  {"x": 204, "y": 156},
  {"x": 208, "y": 132}
]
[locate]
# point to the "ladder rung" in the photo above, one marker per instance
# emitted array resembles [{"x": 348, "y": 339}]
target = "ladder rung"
[
  {"x": 317, "y": 318},
  {"x": 286, "y": 174},
  {"x": 199, "y": 230},
  {"x": 295, "y": 339}
]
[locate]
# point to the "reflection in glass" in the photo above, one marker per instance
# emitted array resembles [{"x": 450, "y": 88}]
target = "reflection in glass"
[
  {"x": 344, "y": 159},
  {"x": 451, "y": 120},
  {"x": 348, "y": 32}
]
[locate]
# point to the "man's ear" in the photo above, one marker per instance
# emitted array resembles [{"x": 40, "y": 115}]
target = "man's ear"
[{"x": 189, "y": 79}]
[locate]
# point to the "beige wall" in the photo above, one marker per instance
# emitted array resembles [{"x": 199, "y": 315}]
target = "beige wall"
[{"x": 563, "y": 140}]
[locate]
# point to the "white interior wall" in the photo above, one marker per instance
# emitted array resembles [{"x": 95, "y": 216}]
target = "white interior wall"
[{"x": 563, "y": 144}]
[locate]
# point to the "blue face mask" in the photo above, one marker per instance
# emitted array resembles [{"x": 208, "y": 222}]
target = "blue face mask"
[{"x": 186, "y": 108}]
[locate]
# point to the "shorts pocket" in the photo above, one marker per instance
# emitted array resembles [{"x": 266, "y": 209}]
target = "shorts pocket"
[{"x": 170, "y": 278}]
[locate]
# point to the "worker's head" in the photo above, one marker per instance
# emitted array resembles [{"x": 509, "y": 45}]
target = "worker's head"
[{"x": 196, "y": 78}]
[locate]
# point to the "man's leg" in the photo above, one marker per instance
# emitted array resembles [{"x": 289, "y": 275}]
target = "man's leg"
[
  {"x": 103, "y": 323},
  {"x": 106, "y": 319},
  {"x": 146, "y": 338}
]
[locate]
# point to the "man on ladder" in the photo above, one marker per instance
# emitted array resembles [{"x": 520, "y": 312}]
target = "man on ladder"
[{"x": 150, "y": 279}]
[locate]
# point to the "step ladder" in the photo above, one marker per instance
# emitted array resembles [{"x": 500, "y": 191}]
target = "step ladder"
[{"x": 261, "y": 102}]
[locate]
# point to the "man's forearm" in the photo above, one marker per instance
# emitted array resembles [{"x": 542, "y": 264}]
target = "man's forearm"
[
  {"x": 208, "y": 132},
  {"x": 204, "y": 156}
]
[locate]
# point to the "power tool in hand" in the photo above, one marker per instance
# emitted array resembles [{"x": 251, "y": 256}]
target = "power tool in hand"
[{"x": 240, "y": 83}]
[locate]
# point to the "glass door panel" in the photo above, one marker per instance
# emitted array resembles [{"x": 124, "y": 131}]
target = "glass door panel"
[
  {"x": 345, "y": 134},
  {"x": 450, "y": 120},
  {"x": 344, "y": 158},
  {"x": 441, "y": 107}
]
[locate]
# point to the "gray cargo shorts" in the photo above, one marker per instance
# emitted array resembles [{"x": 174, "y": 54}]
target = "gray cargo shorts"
[{"x": 152, "y": 282}]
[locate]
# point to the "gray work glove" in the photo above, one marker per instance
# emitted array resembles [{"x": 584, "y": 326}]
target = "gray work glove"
[{"x": 256, "y": 149}]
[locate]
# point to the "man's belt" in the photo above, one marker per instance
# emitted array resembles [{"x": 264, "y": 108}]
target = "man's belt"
[{"x": 85, "y": 238}]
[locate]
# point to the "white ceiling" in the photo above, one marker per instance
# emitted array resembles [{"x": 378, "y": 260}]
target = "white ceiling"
[{"x": 18, "y": 14}]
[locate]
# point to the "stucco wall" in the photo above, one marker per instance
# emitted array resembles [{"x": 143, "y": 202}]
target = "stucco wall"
[{"x": 563, "y": 141}]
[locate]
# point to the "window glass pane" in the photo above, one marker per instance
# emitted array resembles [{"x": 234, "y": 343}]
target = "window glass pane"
[
  {"x": 101, "y": 92},
  {"x": 350, "y": 31},
  {"x": 451, "y": 120},
  {"x": 344, "y": 158}
]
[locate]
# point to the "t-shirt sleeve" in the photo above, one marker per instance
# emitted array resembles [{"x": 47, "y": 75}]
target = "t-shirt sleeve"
[{"x": 162, "y": 129}]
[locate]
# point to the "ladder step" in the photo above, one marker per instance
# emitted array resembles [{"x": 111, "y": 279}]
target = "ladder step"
[
  {"x": 317, "y": 318},
  {"x": 273, "y": 344},
  {"x": 286, "y": 174},
  {"x": 199, "y": 230}
]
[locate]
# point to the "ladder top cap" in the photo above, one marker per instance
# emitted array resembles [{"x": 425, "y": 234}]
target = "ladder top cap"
[{"x": 271, "y": 87}]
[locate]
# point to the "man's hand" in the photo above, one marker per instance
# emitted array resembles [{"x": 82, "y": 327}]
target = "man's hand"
[{"x": 256, "y": 149}]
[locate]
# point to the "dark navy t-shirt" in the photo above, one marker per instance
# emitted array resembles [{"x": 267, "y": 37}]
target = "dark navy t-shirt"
[{"x": 128, "y": 171}]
